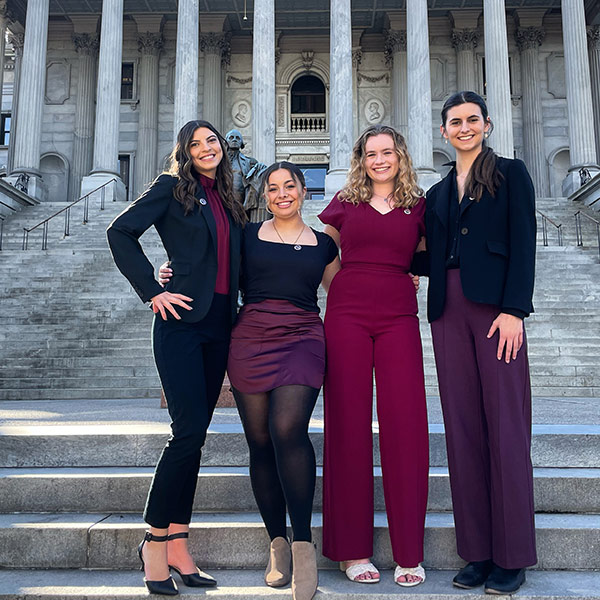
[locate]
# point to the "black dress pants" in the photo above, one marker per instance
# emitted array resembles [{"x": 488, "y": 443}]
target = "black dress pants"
[{"x": 191, "y": 359}]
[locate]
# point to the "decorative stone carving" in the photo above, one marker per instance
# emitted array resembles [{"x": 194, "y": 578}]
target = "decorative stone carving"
[
  {"x": 280, "y": 111},
  {"x": 86, "y": 43},
  {"x": 240, "y": 80},
  {"x": 357, "y": 57},
  {"x": 58, "y": 82},
  {"x": 593, "y": 34},
  {"x": 308, "y": 57},
  {"x": 6, "y": 13},
  {"x": 277, "y": 55},
  {"x": 150, "y": 43},
  {"x": 395, "y": 41},
  {"x": 17, "y": 41},
  {"x": 385, "y": 77},
  {"x": 529, "y": 37},
  {"x": 465, "y": 39},
  {"x": 374, "y": 111},
  {"x": 439, "y": 85},
  {"x": 241, "y": 113}
]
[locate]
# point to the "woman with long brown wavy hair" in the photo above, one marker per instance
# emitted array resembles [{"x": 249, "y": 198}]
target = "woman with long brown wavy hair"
[
  {"x": 194, "y": 211},
  {"x": 371, "y": 325}
]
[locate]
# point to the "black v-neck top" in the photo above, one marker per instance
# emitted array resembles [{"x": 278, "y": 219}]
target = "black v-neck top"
[{"x": 275, "y": 271}]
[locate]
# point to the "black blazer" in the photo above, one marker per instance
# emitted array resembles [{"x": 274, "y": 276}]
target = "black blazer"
[
  {"x": 497, "y": 245},
  {"x": 190, "y": 242}
]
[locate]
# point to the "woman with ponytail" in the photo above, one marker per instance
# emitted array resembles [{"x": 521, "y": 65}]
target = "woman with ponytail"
[
  {"x": 481, "y": 230},
  {"x": 194, "y": 210}
]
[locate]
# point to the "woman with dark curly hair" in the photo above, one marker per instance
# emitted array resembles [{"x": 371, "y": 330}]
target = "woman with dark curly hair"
[
  {"x": 371, "y": 325},
  {"x": 199, "y": 221}
]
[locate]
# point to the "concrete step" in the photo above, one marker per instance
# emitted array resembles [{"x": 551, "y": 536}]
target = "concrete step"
[
  {"x": 108, "y": 540},
  {"x": 135, "y": 445},
  {"x": 124, "y": 489},
  {"x": 248, "y": 584}
]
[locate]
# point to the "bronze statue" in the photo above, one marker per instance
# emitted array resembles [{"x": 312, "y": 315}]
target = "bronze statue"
[{"x": 247, "y": 177}]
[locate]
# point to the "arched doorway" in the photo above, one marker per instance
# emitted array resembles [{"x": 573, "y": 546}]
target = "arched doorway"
[
  {"x": 559, "y": 168},
  {"x": 55, "y": 175},
  {"x": 439, "y": 160},
  {"x": 308, "y": 105}
]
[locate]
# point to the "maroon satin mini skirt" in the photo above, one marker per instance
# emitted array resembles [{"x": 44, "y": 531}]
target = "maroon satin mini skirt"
[{"x": 275, "y": 343}]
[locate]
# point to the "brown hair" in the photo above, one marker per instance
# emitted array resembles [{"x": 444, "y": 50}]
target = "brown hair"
[
  {"x": 359, "y": 187},
  {"x": 181, "y": 167},
  {"x": 484, "y": 173}
]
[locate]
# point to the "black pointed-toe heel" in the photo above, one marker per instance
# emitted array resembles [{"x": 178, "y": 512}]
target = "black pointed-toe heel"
[
  {"x": 165, "y": 587},
  {"x": 197, "y": 579}
]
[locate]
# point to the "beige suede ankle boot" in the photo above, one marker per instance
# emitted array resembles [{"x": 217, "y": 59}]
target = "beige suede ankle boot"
[
  {"x": 278, "y": 571},
  {"x": 305, "y": 577}
]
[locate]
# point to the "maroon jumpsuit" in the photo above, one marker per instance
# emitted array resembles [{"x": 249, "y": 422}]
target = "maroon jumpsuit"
[{"x": 371, "y": 324}]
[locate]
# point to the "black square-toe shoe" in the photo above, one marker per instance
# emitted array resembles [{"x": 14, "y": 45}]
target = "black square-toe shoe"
[
  {"x": 504, "y": 581},
  {"x": 473, "y": 574}
]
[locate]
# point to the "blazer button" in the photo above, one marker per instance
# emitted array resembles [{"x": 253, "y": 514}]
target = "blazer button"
[{"x": 464, "y": 230}]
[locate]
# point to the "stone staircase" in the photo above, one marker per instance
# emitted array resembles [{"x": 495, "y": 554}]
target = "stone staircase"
[
  {"x": 80, "y": 431},
  {"x": 73, "y": 328}
]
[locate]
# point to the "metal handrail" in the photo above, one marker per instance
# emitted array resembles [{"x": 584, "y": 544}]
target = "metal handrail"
[
  {"x": 67, "y": 211},
  {"x": 545, "y": 220},
  {"x": 2, "y": 220},
  {"x": 578, "y": 231}
]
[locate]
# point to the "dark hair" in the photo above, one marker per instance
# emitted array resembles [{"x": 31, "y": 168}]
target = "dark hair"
[
  {"x": 484, "y": 173},
  {"x": 291, "y": 168},
  {"x": 181, "y": 166}
]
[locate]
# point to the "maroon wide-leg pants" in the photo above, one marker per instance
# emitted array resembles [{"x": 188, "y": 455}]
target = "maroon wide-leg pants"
[
  {"x": 487, "y": 418},
  {"x": 371, "y": 324}
]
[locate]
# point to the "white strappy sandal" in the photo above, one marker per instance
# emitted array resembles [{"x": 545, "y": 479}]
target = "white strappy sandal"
[
  {"x": 417, "y": 571},
  {"x": 356, "y": 570}
]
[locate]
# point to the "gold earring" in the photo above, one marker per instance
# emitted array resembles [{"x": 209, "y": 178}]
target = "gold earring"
[{"x": 268, "y": 209}]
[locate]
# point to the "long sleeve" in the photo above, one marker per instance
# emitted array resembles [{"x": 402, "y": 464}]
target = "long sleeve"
[{"x": 124, "y": 232}]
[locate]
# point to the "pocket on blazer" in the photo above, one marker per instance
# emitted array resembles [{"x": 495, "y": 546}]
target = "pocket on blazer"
[{"x": 497, "y": 247}]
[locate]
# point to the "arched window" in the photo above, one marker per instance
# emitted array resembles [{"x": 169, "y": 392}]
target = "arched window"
[{"x": 308, "y": 104}]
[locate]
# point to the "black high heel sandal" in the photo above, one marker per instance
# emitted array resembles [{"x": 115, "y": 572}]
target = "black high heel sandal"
[
  {"x": 166, "y": 587},
  {"x": 198, "y": 579}
]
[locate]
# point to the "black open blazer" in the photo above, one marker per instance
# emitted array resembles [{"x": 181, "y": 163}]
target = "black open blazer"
[
  {"x": 497, "y": 245},
  {"x": 190, "y": 242}
]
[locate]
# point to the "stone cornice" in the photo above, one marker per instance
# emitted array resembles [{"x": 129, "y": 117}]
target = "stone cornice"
[
  {"x": 395, "y": 41},
  {"x": 528, "y": 38},
  {"x": 465, "y": 39},
  {"x": 86, "y": 43},
  {"x": 150, "y": 43},
  {"x": 593, "y": 34}
]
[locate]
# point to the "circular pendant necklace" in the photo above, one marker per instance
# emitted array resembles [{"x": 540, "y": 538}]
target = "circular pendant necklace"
[{"x": 296, "y": 245}]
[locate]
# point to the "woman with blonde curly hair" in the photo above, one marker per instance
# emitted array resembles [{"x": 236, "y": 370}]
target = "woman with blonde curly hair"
[{"x": 371, "y": 325}]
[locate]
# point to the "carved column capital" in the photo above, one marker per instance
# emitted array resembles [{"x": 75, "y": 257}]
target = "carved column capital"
[
  {"x": 465, "y": 39},
  {"x": 17, "y": 41},
  {"x": 593, "y": 34},
  {"x": 217, "y": 43},
  {"x": 357, "y": 57},
  {"x": 150, "y": 43},
  {"x": 86, "y": 43},
  {"x": 395, "y": 41},
  {"x": 528, "y": 38}
]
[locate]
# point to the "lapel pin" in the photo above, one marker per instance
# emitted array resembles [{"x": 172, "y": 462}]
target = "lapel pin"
[
  {"x": 407, "y": 211},
  {"x": 202, "y": 201}
]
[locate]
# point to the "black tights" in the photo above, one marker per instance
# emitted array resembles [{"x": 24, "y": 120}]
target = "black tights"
[{"x": 282, "y": 458}]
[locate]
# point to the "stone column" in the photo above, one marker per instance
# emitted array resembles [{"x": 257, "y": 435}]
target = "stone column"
[
  {"x": 594, "y": 52},
  {"x": 582, "y": 141},
  {"x": 420, "y": 134},
  {"x": 395, "y": 53},
  {"x": 86, "y": 45},
  {"x": 216, "y": 49},
  {"x": 17, "y": 41},
  {"x": 186, "y": 64},
  {"x": 340, "y": 96},
  {"x": 31, "y": 99},
  {"x": 498, "y": 79},
  {"x": 465, "y": 38},
  {"x": 5, "y": 18},
  {"x": 357, "y": 57},
  {"x": 529, "y": 39},
  {"x": 108, "y": 104},
  {"x": 263, "y": 82},
  {"x": 150, "y": 45}
]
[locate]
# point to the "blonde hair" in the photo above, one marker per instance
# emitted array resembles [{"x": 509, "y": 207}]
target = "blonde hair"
[{"x": 359, "y": 187}]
